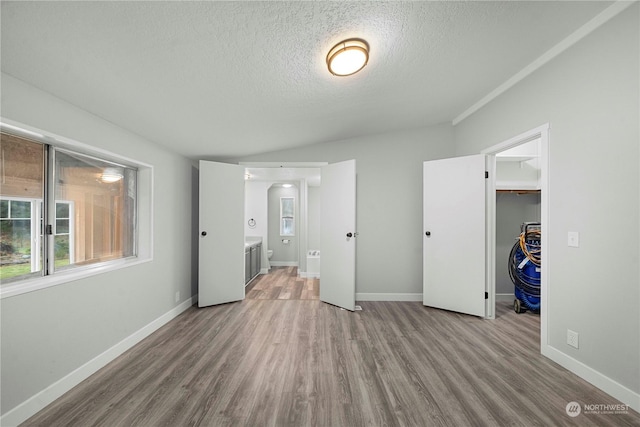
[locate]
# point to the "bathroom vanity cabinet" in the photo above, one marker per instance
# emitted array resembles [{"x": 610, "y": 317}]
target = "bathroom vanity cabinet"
[{"x": 252, "y": 260}]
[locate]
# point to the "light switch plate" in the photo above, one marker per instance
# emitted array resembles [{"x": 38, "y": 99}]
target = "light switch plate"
[{"x": 573, "y": 239}]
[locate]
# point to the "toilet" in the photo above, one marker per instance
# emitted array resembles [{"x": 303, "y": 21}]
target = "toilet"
[{"x": 269, "y": 253}]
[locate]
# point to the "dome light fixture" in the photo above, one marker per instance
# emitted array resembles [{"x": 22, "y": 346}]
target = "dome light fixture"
[
  {"x": 348, "y": 57},
  {"x": 110, "y": 175}
]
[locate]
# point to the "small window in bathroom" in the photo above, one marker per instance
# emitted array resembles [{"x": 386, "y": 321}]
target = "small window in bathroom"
[{"x": 287, "y": 216}]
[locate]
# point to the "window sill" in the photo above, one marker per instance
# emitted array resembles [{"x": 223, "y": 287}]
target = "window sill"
[{"x": 36, "y": 284}]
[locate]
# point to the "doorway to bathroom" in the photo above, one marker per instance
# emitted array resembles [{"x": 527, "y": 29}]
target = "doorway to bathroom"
[
  {"x": 324, "y": 210},
  {"x": 282, "y": 209},
  {"x": 228, "y": 219}
]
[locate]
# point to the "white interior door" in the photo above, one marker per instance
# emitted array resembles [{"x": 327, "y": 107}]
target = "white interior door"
[
  {"x": 454, "y": 266},
  {"x": 221, "y": 248},
  {"x": 338, "y": 231}
]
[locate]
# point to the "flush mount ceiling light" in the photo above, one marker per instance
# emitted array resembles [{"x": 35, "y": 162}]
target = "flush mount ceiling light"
[
  {"x": 348, "y": 57},
  {"x": 110, "y": 175}
]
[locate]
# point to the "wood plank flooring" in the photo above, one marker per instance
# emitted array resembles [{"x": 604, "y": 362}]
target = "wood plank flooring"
[
  {"x": 283, "y": 283},
  {"x": 285, "y": 362}
]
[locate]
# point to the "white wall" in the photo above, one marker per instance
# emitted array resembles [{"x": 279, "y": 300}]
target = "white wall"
[
  {"x": 49, "y": 333},
  {"x": 283, "y": 253},
  {"x": 255, "y": 207},
  {"x": 589, "y": 95},
  {"x": 302, "y": 228},
  {"x": 313, "y": 218},
  {"x": 389, "y": 201}
]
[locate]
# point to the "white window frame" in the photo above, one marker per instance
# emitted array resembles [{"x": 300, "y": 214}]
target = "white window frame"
[
  {"x": 36, "y": 236},
  {"x": 144, "y": 241},
  {"x": 71, "y": 233}
]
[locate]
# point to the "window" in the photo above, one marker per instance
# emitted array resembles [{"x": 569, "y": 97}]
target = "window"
[
  {"x": 21, "y": 247},
  {"x": 21, "y": 196},
  {"x": 102, "y": 197},
  {"x": 287, "y": 216},
  {"x": 62, "y": 210}
]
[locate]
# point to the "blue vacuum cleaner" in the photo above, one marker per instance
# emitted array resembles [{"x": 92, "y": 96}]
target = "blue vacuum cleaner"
[{"x": 524, "y": 268}]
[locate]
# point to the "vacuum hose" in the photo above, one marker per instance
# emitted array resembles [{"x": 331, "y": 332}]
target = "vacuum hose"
[{"x": 524, "y": 266}]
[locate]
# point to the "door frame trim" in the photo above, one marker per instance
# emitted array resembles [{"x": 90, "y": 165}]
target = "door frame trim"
[{"x": 542, "y": 132}]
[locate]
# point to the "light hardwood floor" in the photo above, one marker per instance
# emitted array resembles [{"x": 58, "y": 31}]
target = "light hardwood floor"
[
  {"x": 286, "y": 362},
  {"x": 283, "y": 283}
]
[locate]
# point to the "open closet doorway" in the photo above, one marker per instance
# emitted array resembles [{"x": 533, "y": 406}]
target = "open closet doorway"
[{"x": 517, "y": 201}]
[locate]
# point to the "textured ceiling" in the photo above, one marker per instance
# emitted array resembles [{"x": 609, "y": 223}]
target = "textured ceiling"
[{"x": 224, "y": 79}]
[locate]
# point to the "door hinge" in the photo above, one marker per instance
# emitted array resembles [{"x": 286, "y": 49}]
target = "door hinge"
[
  {"x": 486, "y": 174},
  {"x": 49, "y": 229},
  {"x": 486, "y": 295}
]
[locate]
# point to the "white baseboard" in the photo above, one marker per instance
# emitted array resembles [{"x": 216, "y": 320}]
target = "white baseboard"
[
  {"x": 305, "y": 275},
  {"x": 505, "y": 297},
  {"x": 35, "y": 403},
  {"x": 283, "y": 263},
  {"x": 388, "y": 297},
  {"x": 604, "y": 383}
]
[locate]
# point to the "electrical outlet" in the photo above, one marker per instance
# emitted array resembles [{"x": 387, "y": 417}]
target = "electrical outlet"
[
  {"x": 572, "y": 338},
  {"x": 573, "y": 239},
  {"x": 178, "y": 296}
]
